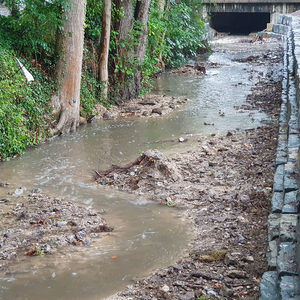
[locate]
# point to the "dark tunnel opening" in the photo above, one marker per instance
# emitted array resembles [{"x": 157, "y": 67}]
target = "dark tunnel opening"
[{"x": 239, "y": 23}]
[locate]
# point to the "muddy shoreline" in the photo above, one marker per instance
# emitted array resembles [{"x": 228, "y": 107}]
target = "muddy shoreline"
[
  {"x": 224, "y": 184},
  {"x": 34, "y": 224}
]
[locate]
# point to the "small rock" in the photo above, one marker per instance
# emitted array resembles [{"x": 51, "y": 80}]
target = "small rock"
[
  {"x": 172, "y": 106},
  {"x": 71, "y": 239},
  {"x": 229, "y": 133},
  {"x": 165, "y": 288},
  {"x": 109, "y": 116},
  {"x": 145, "y": 114},
  {"x": 19, "y": 191},
  {"x": 249, "y": 258},
  {"x": 94, "y": 235},
  {"x": 46, "y": 248},
  {"x": 10, "y": 235},
  {"x": 4, "y": 200},
  {"x": 86, "y": 242},
  {"x": 157, "y": 111},
  {"x": 38, "y": 233},
  {"x": 80, "y": 235},
  {"x": 36, "y": 191},
  {"x": 61, "y": 223},
  {"x": 212, "y": 293},
  {"x": 132, "y": 173},
  {"x": 181, "y": 139},
  {"x": 187, "y": 296},
  {"x": 53, "y": 275},
  {"x": 147, "y": 101},
  {"x": 237, "y": 274}
]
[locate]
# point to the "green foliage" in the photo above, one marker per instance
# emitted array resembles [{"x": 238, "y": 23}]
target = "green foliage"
[
  {"x": 90, "y": 95},
  {"x": 23, "y": 107},
  {"x": 33, "y": 30},
  {"x": 93, "y": 20},
  {"x": 176, "y": 33}
]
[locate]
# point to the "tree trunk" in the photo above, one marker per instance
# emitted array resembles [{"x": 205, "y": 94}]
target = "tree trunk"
[
  {"x": 142, "y": 16},
  {"x": 163, "y": 7},
  {"x": 67, "y": 101},
  {"x": 123, "y": 26},
  {"x": 130, "y": 84},
  {"x": 104, "y": 46}
]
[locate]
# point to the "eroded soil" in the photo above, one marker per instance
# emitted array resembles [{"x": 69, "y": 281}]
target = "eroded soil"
[{"x": 224, "y": 184}]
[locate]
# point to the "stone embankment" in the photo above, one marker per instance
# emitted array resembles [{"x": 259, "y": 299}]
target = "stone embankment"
[{"x": 282, "y": 279}]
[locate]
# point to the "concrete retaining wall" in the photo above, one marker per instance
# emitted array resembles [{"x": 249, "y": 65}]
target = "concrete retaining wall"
[{"x": 282, "y": 279}]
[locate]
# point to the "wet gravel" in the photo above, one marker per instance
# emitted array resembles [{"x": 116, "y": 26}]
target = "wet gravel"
[{"x": 37, "y": 224}]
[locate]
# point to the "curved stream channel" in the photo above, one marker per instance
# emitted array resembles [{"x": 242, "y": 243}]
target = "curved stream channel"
[{"x": 146, "y": 236}]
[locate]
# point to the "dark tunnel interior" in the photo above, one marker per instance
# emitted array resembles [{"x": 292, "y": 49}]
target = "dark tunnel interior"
[{"x": 239, "y": 23}]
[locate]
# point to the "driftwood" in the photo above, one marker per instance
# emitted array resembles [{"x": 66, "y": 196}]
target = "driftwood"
[{"x": 143, "y": 160}]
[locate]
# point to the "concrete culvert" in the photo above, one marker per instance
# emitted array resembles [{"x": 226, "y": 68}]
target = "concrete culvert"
[{"x": 239, "y": 23}]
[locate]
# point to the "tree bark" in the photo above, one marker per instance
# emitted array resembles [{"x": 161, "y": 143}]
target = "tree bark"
[
  {"x": 130, "y": 85},
  {"x": 67, "y": 100},
  {"x": 142, "y": 16},
  {"x": 104, "y": 46},
  {"x": 123, "y": 26}
]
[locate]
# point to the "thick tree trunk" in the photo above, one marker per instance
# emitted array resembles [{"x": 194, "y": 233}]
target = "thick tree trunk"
[
  {"x": 141, "y": 16},
  {"x": 130, "y": 85},
  {"x": 123, "y": 26},
  {"x": 67, "y": 101},
  {"x": 104, "y": 45}
]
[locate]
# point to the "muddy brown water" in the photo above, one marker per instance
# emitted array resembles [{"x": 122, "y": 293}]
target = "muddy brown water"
[{"x": 146, "y": 236}]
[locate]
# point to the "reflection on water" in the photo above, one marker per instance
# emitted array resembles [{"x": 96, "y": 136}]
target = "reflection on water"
[{"x": 146, "y": 236}]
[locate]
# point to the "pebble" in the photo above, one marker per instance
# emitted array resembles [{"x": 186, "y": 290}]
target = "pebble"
[
  {"x": 86, "y": 242},
  {"x": 36, "y": 191},
  {"x": 181, "y": 139},
  {"x": 4, "y": 200},
  {"x": 19, "y": 191},
  {"x": 212, "y": 293},
  {"x": 187, "y": 296},
  {"x": 157, "y": 111},
  {"x": 61, "y": 223},
  {"x": 249, "y": 258},
  {"x": 46, "y": 248},
  {"x": 80, "y": 235},
  {"x": 237, "y": 274},
  {"x": 165, "y": 288},
  {"x": 94, "y": 235}
]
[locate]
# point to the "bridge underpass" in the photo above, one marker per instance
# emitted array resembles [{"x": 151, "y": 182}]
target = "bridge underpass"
[
  {"x": 239, "y": 23},
  {"x": 244, "y": 17}
]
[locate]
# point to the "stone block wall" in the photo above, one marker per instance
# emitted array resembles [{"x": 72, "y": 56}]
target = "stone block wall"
[{"x": 282, "y": 279}]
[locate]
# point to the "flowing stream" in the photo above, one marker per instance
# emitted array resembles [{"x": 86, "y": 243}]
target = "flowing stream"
[{"x": 146, "y": 236}]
